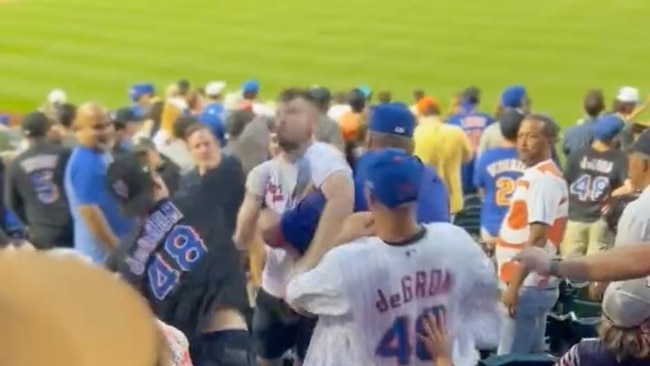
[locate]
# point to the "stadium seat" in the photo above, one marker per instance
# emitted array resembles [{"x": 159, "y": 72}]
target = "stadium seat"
[
  {"x": 469, "y": 218},
  {"x": 519, "y": 360},
  {"x": 585, "y": 309}
]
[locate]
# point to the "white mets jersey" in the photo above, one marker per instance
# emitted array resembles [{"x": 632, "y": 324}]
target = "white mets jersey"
[{"x": 372, "y": 298}]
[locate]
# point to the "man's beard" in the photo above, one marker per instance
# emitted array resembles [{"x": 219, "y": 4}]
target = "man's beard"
[{"x": 288, "y": 145}]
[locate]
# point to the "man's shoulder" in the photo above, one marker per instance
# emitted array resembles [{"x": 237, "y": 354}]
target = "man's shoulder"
[
  {"x": 318, "y": 148},
  {"x": 452, "y": 130},
  {"x": 550, "y": 180},
  {"x": 352, "y": 251},
  {"x": 82, "y": 158},
  {"x": 574, "y": 129},
  {"x": 444, "y": 230},
  {"x": 325, "y": 155}
]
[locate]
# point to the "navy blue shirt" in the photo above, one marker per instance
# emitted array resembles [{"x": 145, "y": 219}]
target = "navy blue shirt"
[
  {"x": 578, "y": 136},
  {"x": 473, "y": 123},
  {"x": 433, "y": 200}
]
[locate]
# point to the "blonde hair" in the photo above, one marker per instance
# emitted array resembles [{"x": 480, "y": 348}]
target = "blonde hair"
[
  {"x": 625, "y": 342},
  {"x": 169, "y": 116}
]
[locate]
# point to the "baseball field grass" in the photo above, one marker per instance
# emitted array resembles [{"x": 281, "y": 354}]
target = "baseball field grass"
[{"x": 94, "y": 49}]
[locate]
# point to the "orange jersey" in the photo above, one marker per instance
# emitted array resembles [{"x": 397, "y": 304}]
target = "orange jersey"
[{"x": 540, "y": 196}]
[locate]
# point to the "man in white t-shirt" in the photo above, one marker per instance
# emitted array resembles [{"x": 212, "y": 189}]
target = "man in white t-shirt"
[
  {"x": 271, "y": 188},
  {"x": 373, "y": 294},
  {"x": 279, "y": 184}
]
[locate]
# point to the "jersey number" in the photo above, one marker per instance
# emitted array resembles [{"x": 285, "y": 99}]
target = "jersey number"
[
  {"x": 185, "y": 247},
  {"x": 505, "y": 188},
  {"x": 397, "y": 340},
  {"x": 588, "y": 189},
  {"x": 43, "y": 182}
]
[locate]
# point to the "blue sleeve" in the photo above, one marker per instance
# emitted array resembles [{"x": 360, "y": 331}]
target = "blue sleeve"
[
  {"x": 454, "y": 119},
  {"x": 86, "y": 182},
  {"x": 360, "y": 203},
  {"x": 433, "y": 203}
]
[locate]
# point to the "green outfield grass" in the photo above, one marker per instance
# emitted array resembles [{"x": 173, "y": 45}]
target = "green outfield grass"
[{"x": 95, "y": 48}]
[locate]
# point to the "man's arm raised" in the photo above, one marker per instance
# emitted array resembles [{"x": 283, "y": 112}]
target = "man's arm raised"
[{"x": 338, "y": 189}]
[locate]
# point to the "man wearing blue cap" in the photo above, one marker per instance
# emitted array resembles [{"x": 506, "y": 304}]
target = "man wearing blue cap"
[
  {"x": 592, "y": 173},
  {"x": 371, "y": 294},
  {"x": 141, "y": 95},
  {"x": 391, "y": 126},
  {"x": 514, "y": 96}
]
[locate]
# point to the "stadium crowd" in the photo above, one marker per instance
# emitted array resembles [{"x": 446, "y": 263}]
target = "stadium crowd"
[{"x": 205, "y": 228}]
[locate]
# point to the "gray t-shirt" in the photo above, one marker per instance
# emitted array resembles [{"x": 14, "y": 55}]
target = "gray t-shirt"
[
  {"x": 252, "y": 146},
  {"x": 634, "y": 224},
  {"x": 328, "y": 131}
]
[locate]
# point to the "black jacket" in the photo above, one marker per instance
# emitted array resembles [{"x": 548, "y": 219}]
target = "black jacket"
[
  {"x": 221, "y": 188},
  {"x": 34, "y": 191},
  {"x": 184, "y": 265},
  {"x": 34, "y": 186}
]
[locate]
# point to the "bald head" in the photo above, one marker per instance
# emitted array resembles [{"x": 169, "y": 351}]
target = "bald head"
[{"x": 93, "y": 125}]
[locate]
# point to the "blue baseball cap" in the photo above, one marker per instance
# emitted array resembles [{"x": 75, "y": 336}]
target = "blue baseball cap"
[
  {"x": 513, "y": 96},
  {"x": 250, "y": 86},
  {"x": 392, "y": 118},
  {"x": 298, "y": 225},
  {"x": 392, "y": 176},
  {"x": 607, "y": 127},
  {"x": 138, "y": 90}
]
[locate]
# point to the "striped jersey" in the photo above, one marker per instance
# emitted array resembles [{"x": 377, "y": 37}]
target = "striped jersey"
[
  {"x": 372, "y": 297},
  {"x": 540, "y": 196}
]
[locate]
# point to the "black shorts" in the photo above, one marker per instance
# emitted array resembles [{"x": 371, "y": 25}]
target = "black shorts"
[
  {"x": 277, "y": 328},
  {"x": 223, "y": 348}
]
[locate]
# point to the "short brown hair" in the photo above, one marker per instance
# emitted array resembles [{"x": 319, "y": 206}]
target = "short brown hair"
[
  {"x": 594, "y": 102},
  {"x": 192, "y": 128},
  {"x": 179, "y": 128},
  {"x": 386, "y": 140},
  {"x": 290, "y": 94}
]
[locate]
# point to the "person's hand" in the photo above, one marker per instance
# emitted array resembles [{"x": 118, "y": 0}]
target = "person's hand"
[
  {"x": 535, "y": 259},
  {"x": 356, "y": 226},
  {"x": 436, "y": 339},
  {"x": 268, "y": 219},
  {"x": 623, "y": 190},
  {"x": 509, "y": 299}
]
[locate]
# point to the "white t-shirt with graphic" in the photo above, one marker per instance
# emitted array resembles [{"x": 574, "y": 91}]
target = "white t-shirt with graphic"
[{"x": 275, "y": 181}]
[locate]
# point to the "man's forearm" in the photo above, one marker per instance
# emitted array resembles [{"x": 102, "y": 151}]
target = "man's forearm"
[
  {"x": 98, "y": 226},
  {"x": 246, "y": 227},
  {"x": 329, "y": 225},
  {"x": 619, "y": 263}
]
